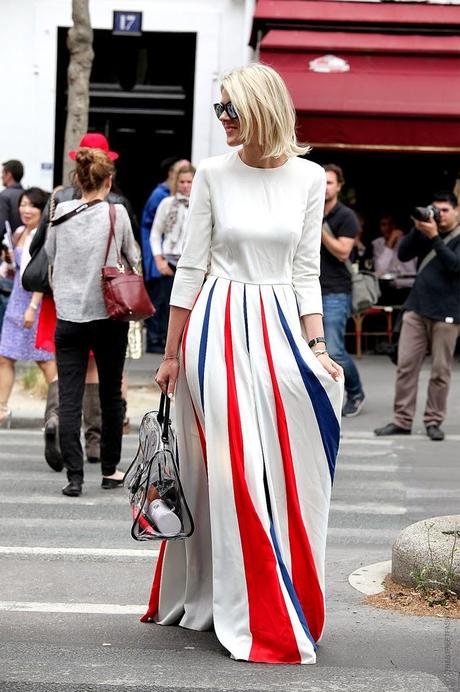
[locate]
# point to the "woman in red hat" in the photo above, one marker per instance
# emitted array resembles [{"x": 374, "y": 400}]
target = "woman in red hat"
[
  {"x": 94, "y": 140},
  {"x": 76, "y": 254},
  {"x": 47, "y": 321}
]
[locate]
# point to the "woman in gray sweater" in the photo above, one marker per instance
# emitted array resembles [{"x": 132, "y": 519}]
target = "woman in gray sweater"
[{"x": 76, "y": 250}]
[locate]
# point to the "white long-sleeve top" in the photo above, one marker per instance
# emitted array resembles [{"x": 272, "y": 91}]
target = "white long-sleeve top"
[
  {"x": 254, "y": 225},
  {"x": 164, "y": 241}
]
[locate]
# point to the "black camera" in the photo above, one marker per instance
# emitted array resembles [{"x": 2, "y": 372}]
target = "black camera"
[{"x": 426, "y": 213}]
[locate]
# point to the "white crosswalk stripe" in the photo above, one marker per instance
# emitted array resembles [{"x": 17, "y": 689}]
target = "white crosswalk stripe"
[
  {"x": 33, "y": 551},
  {"x": 82, "y": 608}
]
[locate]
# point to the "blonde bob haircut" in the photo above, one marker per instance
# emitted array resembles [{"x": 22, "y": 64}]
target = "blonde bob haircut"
[{"x": 265, "y": 107}]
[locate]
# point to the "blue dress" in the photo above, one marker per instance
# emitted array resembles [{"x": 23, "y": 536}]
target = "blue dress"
[{"x": 17, "y": 342}]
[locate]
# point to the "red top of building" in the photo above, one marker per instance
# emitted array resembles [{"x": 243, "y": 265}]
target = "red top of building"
[
  {"x": 340, "y": 41},
  {"x": 362, "y": 12}
]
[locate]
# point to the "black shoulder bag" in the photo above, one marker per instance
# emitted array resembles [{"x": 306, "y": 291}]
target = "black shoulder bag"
[{"x": 36, "y": 274}]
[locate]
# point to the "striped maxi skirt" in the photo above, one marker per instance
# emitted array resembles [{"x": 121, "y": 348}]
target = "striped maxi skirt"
[{"x": 258, "y": 433}]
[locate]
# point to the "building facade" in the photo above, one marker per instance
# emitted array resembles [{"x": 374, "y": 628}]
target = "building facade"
[{"x": 151, "y": 91}]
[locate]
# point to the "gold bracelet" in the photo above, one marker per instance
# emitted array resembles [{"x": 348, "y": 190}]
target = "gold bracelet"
[
  {"x": 320, "y": 353},
  {"x": 170, "y": 357}
]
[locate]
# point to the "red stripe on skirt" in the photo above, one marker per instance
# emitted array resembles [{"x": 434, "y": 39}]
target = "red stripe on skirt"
[
  {"x": 202, "y": 438},
  {"x": 154, "y": 602},
  {"x": 273, "y": 639},
  {"x": 304, "y": 574}
]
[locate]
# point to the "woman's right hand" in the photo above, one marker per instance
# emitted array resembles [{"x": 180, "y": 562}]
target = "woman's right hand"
[
  {"x": 167, "y": 374},
  {"x": 29, "y": 318},
  {"x": 163, "y": 267}
]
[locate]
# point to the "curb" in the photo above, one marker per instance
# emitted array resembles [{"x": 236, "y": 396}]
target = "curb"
[
  {"x": 369, "y": 579},
  {"x": 24, "y": 423}
]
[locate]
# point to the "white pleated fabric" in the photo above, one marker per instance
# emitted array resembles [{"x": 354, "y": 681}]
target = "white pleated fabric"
[{"x": 258, "y": 435}]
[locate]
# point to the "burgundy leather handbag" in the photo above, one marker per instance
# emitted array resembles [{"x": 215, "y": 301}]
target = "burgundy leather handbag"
[{"x": 125, "y": 296}]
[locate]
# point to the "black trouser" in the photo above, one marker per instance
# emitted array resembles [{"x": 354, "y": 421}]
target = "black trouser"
[{"x": 107, "y": 339}]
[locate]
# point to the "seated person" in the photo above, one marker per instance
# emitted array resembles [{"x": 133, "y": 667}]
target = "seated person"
[
  {"x": 362, "y": 249},
  {"x": 396, "y": 277}
]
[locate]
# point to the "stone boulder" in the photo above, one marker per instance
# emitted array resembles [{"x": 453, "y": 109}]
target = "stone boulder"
[{"x": 428, "y": 544}]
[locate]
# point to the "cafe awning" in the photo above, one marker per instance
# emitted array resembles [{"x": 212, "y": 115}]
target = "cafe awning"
[
  {"x": 409, "y": 17},
  {"x": 366, "y": 90}
]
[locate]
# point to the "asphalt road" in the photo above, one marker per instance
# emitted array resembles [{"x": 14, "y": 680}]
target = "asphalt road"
[{"x": 73, "y": 583}]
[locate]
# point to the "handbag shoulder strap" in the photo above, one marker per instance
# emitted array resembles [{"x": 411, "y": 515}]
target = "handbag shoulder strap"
[
  {"x": 347, "y": 262},
  {"x": 74, "y": 212},
  {"x": 432, "y": 254},
  {"x": 113, "y": 218}
]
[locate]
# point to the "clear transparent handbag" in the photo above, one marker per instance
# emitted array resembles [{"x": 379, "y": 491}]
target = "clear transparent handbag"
[{"x": 158, "y": 505}]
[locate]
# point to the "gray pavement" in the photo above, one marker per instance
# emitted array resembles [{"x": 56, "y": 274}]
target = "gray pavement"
[{"x": 74, "y": 582}]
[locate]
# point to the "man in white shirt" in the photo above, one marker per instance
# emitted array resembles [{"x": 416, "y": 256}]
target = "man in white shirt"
[{"x": 397, "y": 277}]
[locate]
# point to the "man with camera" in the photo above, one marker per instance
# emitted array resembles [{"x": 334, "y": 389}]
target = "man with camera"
[{"x": 432, "y": 315}]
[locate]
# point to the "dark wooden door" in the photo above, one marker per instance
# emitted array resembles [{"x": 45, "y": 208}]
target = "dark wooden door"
[{"x": 141, "y": 98}]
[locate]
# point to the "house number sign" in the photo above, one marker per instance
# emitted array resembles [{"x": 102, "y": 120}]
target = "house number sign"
[{"x": 127, "y": 23}]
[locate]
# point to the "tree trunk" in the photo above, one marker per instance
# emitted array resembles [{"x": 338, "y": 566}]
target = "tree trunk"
[{"x": 80, "y": 45}]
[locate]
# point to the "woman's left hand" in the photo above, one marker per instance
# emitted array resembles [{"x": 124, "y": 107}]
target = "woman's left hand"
[
  {"x": 29, "y": 318},
  {"x": 333, "y": 368}
]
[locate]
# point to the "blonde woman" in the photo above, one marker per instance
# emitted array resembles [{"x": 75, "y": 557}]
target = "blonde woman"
[
  {"x": 258, "y": 398},
  {"x": 167, "y": 235}
]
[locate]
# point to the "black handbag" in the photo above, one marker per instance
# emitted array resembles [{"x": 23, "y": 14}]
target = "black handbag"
[
  {"x": 35, "y": 276},
  {"x": 158, "y": 505}
]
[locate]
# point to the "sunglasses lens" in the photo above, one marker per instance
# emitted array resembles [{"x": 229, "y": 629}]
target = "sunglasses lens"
[
  {"x": 219, "y": 109},
  {"x": 231, "y": 111}
]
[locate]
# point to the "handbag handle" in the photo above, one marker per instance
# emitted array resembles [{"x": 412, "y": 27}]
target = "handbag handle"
[
  {"x": 163, "y": 416},
  {"x": 113, "y": 217}
]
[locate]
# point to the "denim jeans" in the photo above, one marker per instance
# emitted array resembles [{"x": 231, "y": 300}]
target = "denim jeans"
[
  {"x": 159, "y": 291},
  {"x": 107, "y": 339},
  {"x": 337, "y": 310}
]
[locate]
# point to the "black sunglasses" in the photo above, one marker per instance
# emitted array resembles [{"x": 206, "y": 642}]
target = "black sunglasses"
[{"x": 229, "y": 108}]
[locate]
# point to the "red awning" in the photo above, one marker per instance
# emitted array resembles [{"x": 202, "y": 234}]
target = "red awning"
[
  {"x": 274, "y": 12},
  {"x": 291, "y": 40},
  {"x": 399, "y": 90}
]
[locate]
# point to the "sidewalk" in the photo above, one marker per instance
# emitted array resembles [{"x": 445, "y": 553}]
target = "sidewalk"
[
  {"x": 377, "y": 372},
  {"x": 143, "y": 394}
]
